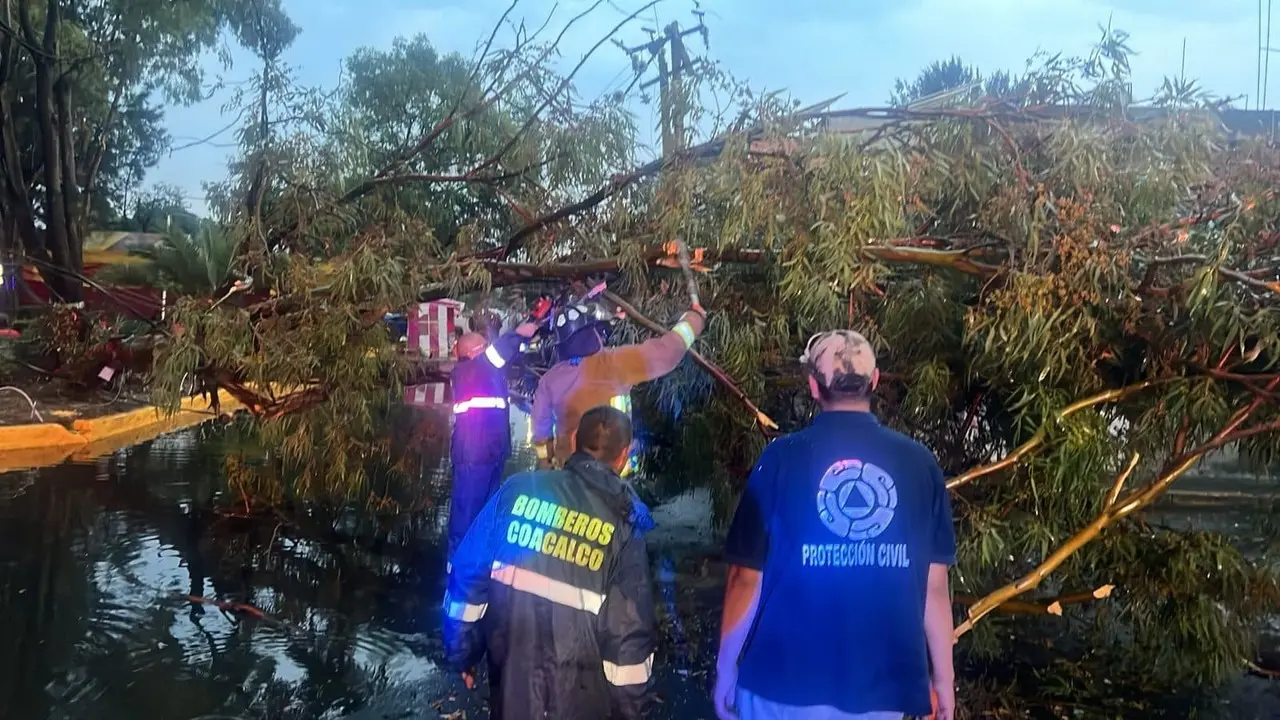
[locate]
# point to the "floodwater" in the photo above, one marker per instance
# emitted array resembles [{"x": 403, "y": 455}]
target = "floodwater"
[
  {"x": 320, "y": 617},
  {"x": 111, "y": 574}
]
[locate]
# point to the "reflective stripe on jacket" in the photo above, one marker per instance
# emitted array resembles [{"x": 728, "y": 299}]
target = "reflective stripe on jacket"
[
  {"x": 482, "y": 423},
  {"x": 552, "y": 582}
]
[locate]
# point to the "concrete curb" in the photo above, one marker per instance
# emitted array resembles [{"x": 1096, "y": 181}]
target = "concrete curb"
[{"x": 40, "y": 445}]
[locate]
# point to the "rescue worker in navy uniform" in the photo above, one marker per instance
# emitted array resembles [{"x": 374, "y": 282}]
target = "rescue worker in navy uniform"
[
  {"x": 481, "y": 440},
  {"x": 552, "y": 583}
]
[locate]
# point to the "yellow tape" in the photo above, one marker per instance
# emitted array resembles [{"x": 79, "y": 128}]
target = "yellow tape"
[{"x": 685, "y": 331}]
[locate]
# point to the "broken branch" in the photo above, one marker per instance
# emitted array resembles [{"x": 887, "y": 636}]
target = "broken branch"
[
  {"x": 1042, "y": 607},
  {"x": 1036, "y": 440},
  {"x": 766, "y": 423},
  {"x": 1118, "y": 511}
]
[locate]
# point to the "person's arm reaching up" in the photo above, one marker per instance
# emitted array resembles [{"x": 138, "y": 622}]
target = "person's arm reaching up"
[
  {"x": 654, "y": 358},
  {"x": 507, "y": 346},
  {"x": 627, "y": 631},
  {"x": 939, "y": 627}
]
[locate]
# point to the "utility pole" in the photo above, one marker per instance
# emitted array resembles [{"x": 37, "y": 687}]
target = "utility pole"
[
  {"x": 667, "y": 49},
  {"x": 1264, "y": 58}
]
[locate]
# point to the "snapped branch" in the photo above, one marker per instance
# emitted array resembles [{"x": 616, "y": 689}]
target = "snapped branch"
[
  {"x": 1122, "y": 508},
  {"x": 1052, "y": 606},
  {"x": 1038, "y": 439},
  {"x": 1244, "y": 277},
  {"x": 766, "y": 423}
]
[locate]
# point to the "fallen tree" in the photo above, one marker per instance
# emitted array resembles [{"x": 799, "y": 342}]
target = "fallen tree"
[{"x": 1072, "y": 309}]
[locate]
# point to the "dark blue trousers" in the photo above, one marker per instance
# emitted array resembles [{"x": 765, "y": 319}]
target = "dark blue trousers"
[{"x": 473, "y": 485}]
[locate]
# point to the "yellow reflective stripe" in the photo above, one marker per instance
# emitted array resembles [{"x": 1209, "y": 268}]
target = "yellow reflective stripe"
[
  {"x": 623, "y": 403},
  {"x": 633, "y": 465},
  {"x": 629, "y": 674},
  {"x": 495, "y": 357},
  {"x": 466, "y": 612},
  {"x": 685, "y": 331},
  {"x": 547, "y": 588},
  {"x": 542, "y": 451}
]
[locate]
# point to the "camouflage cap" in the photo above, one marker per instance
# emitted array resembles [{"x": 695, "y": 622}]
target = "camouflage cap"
[{"x": 835, "y": 354}]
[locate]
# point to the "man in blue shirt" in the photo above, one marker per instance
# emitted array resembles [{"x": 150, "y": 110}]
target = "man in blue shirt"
[{"x": 837, "y": 605}]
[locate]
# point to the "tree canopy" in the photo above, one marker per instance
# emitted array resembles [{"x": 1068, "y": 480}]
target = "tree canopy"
[
  {"x": 82, "y": 84},
  {"x": 1072, "y": 308}
]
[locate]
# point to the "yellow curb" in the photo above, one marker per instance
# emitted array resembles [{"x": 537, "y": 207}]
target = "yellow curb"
[
  {"x": 32, "y": 446},
  {"x": 180, "y": 420},
  {"x": 193, "y": 410},
  {"x": 44, "y": 435}
]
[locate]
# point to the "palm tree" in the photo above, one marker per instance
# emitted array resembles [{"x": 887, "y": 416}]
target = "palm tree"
[{"x": 197, "y": 264}]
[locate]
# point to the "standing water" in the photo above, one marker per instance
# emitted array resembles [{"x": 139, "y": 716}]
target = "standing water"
[{"x": 131, "y": 591}]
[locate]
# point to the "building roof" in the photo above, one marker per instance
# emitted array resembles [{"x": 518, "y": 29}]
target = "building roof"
[{"x": 1236, "y": 122}]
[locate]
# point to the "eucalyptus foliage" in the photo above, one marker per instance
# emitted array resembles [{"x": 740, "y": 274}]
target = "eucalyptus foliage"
[
  {"x": 1086, "y": 300},
  {"x": 1007, "y": 263},
  {"x": 343, "y": 206}
]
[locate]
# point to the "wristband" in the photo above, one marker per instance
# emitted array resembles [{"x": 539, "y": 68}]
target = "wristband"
[{"x": 685, "y": 331}]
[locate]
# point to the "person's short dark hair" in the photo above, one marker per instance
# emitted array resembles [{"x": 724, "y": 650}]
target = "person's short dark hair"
[
  {"x": 604, "y": 432},
  {"x": 844, "y": 387},
  {"x": 843, "y": 364}
]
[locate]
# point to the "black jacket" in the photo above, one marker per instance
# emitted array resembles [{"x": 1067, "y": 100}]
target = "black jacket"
[{"x": 552, "y": 580}]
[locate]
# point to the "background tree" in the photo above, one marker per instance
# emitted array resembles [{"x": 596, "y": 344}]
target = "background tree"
[
  {"x": 1100, "y": 79},
  {"x": 79, "y": 117},
  {"x": 394, "y": 96},
  {"x": 160, "y": 209},
  {"x": 345, "y": 205}
]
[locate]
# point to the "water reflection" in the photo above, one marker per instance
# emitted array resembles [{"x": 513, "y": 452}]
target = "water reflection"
[{"x": 98, "y": 562}]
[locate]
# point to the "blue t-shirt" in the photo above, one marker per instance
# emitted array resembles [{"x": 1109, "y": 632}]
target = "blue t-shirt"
[{"x": 843, "y": 518}]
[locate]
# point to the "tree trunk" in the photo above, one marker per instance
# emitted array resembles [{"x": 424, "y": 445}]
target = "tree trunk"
[
  {"x": 70, "y": 180},
  {"x": 15, "y": 202},
  {"x": 58, "y": 234}
]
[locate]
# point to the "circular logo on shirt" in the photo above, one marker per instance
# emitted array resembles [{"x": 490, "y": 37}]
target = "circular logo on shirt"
[{"x": 856, "y": 500}]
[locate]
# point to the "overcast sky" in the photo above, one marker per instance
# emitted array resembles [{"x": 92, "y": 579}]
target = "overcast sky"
[{"x": 813, "y": 49}]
